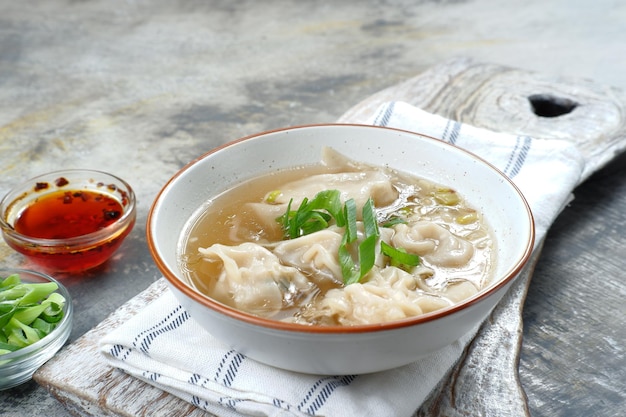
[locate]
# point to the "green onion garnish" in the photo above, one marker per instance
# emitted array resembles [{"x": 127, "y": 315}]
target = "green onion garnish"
[
  {"x": 392, "y": 221},
  {"x": 315, "y": 215},
  {"x": 399, "y": 256},
  {"x": 312, "y": 216},
  {"x": 352, "y": 271},
  {"x": 28, "y": 312}
]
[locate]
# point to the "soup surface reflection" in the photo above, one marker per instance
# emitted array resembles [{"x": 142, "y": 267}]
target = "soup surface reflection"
[{"x": 338, "y": 243}]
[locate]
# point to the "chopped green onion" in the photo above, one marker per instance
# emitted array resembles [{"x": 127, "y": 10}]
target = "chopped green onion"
[
  {"x": 369, "y": 219},
  {"x": 392, "y": 221},
  {"x": 6, "y": 347},
  {"x": 28, "y": 312},
  {"x": 54, "y": 308},
  {"x": 42, "y": 325},
  {"x": 20, "y": 334},
  {"x": 350, "y": 216},
  {"x": 37, "y": 292},
  {"x": 399, "y": 256},
  {"x": 353, "y": 272},
  {"x": 27, "y": 315},
  {"x": 312, "y": 216},
  {"x": 272, "y": 196},
  {"x": 315, "y": 215},
  {"x": 446, "y": 196},
  {"x": 467, "y": 218},
  {"x": 10, "y": 281},
  {"x": 329, "y": 200},
  {"x": 349, "y": 269},
  {"x": 367, "y": 255}
]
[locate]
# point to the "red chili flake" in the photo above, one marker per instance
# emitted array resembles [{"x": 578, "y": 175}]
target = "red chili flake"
[
  {"x": 41, "y": 186},
  {"x": 67, "y": 198},
  {"x": 111, "y": 214},
  {"x": 61, "y": 181},
  {"x": 81, "y": 195},
  {"x": 124, "y": 196}
]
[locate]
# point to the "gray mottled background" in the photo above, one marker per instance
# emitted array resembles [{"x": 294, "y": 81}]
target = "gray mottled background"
[{"x": 139, "y": 88}]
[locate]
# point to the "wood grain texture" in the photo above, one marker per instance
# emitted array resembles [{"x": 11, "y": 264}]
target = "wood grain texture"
[
  {"x": 573, "y": 359},
  {"x": 483, "y": 95},
  {"x": 81, "y": 380},
  {"x": 500, "y": 99}
]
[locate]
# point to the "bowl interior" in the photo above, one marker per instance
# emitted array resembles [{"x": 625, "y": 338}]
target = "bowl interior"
[{"x": 484, "y": 187}]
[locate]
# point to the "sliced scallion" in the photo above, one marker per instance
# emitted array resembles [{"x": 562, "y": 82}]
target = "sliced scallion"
[
  {"x": 399, "y": 257},
  {"x": 28, "y": 312}
]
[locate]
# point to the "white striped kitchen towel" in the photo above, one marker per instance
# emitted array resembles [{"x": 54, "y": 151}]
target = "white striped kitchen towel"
[{"x": 163, "y": 346}]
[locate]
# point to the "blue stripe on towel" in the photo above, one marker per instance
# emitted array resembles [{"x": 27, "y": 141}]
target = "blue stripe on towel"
[
  {"x": 200, "y": 403},
  {"x": 144, "y": 339},
  {"x": 228, "y": 368},
  {"x": 116, "y": 351},
  {"x": 451, "y": 132},
  {"x": 196, "y": 379},
  {"x": 321, "y": 391},
  {"x": 382, "y": 119},
  {"x": 120, "y": 352},
  {"x": 281, "y": 404},
  {"x": 230, "y": 402},
  {"x": 152, "y": 376},
  {"x": 170, "y": 322},
  {"x": 518, "y": 156}
]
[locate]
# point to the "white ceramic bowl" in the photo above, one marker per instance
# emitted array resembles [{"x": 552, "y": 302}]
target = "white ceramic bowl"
[{"x": 341, "y": 350}]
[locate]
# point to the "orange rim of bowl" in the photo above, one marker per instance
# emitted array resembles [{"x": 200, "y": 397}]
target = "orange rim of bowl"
[{"x": 362, "y": 328}]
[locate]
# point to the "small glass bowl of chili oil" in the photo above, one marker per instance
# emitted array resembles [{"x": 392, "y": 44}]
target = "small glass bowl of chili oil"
[{"x": 68, "y": 221}]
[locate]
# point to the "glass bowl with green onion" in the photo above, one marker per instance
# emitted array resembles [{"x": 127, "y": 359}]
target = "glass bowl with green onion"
[{"x": 35, "y": 322}]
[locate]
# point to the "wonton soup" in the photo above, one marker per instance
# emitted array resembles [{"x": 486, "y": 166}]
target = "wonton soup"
[{"x": 338, "y": 243}]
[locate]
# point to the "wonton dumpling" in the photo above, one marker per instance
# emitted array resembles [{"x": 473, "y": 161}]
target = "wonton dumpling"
[
  {"x": 388, "y": 294},
  {"x": 412, "y": 286},
  {"x": 357, "y": 185},
  {"x": 250, "y": 278},
  {"x": 411, "y": 280},
  {"x": 459, "y": 291},
  {"x": 265, "y": 215},
  {"x": 315, "y": 254},
  {"x": 434, "y": 243},
  {"x": 365, "y": 303}
]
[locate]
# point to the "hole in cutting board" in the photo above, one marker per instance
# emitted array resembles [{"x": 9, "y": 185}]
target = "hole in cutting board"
[{"x": 547, "y": 105}]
